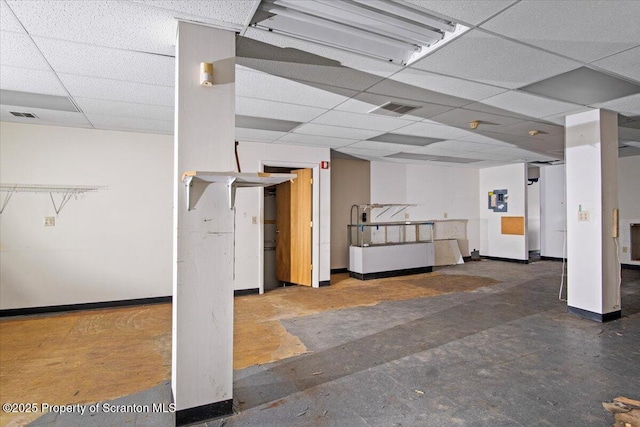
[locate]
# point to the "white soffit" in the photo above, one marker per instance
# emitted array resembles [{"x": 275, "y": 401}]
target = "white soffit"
[
  {"x": 119, "y": 24},
  {"x": 625, "y": 63},
  {"x": 586, "y": 31},
  {"x": 130, "y": 124},
  {"x": 361, "y": 121},
  {"x": 34, "y": 81},
  {"x": 346, "y": 59},
  {"x": 467, "y": 11},
  {"x": 116, "y": 90},
  {"x": 125, "y": 109},
  {"x": 315, "y": 140},
  {"x": 430, "y": 130},
  {"x": 336, "y": 131},
  {"x": 628, "y": 106},
  {"x": 491, "y": 60},
  {"x": 465, "y": 90},
  {"x": 276, "y": 110},
  {"x": 529, "y": 105},
  {"x": 117, "y": 64},
  {"x": 254, "y": 84},
  {"x": 19, "y": 51}
]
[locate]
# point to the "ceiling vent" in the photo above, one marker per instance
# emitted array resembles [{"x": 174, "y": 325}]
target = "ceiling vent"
[
  {"x": 25, "y": 115},
  {"x": 393, "y": 109},
  {"x": 383, "y": 29}
]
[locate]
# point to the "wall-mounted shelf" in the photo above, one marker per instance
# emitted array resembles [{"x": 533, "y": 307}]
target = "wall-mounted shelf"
[
  {"x": 196, "y": 181},
  {"x": 67, "y": 192}
]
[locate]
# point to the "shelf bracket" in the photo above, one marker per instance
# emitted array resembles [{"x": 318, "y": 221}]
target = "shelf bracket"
[{"x": 6, "y": 199}]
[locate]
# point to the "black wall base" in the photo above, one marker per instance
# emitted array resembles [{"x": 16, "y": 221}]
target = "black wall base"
[
  {"x": 241, "y": 292},
  {"x": 495, "y": 258},
  {"x": 339, "y": 270},
  {"x": 606, "y": 317},
  {"x": 550, "y": 258},
  {"x": 205, "y": 412},
  {"x": 84, "y": 306},
  {"x": 630, "y": 266},
  {"x": 324, "y": 283},
  {"x": 382, "y": 274}
]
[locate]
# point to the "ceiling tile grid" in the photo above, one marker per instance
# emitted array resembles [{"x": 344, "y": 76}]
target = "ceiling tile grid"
[
  {"x": 315, "y": 140},
  {"x": 258, "y": 135},
  {"x": 584, "y": 30},
  {"x": 353, "y": 105},
  {"x": 361, "y": 121},
  {"x": 33, "y": 81},
  {"x": 626, "y": 64},
  {"x": 116, "y": 90},
  {"x": 8, "y": 21},
  {"x": 529, "y": 105},
  {"x": 116, "y": 64},
  {"x": 383, "y": 146},
  {"x": 254, "y": 84},
  {"x": 431, "y": 130},
  {"x": 488, "y": 59},
  {"x": 467, "y": 11},
  {"x": 130, "y": 123},
  {"x": 628, "y": 106},
  {"x": 125, "y": 109},
  {"x": 19, "y": 51},
  {"x": 234, "y": 12},
  {"x": 336, "y": 131},
  {"x": 276, "y": 110}
]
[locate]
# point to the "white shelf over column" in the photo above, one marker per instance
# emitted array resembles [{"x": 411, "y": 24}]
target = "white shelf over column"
[{"x": 232, "y": 180}]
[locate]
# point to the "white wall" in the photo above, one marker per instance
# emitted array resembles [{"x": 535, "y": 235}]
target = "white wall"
[
  {"x": 492, "y": 241},
  {"x": 114, "y": 244},
  {"x": 629, "y": 202},
  {"x": 553, "y": 213},
  {"x": 249, "y": 203},
  {"x": 533, "y": 216},
  {"x": 435, "y": 189}
]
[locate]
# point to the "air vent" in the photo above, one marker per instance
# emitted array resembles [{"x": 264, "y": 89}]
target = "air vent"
[
  {"x": 393, "y": 109},
  {"x": 26, "y": 115}
]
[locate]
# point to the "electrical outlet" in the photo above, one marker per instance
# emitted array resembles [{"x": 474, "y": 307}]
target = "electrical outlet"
[
  {"x": 625, "y": 249},
  {"x": 406, "y": 216},
  {"x": 49, "y": 221},
  {"x": 254, "y": 220},
  {"x": 583, "y": 215},
  {"x": 446, "y": 215}
]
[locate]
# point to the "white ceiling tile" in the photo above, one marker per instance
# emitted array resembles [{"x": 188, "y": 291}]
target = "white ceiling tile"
[
  {"x": 115, "y": 90},
  {"x": 256, "y": 84},
  {"x": 469, "y": 11},
  {"x": 433, "y": 150},
  {"x": 461, "y": 117},
  {"x": 361, "y": 121},
  {"x": 315, "y": 140},
  {"x": 341, "y": 58},
  {"x": 258, "y": 135},
  {"x": 133, "y": 124},
  {"x": 529, "y": 105},
  {"x": 125, "y": 109},
  {"x": 8, "y": 21},
  {"x": 87, "y": 60},
  {"x": 236, "y": 11},
  {"x": 366, "y": 152},
  {"x": 19, "y": 51},
  {"x": 584, "y": 31},
  {"x": 407, "y": 91},
  {"x": 476, "y": 137},
  {"x": 489, "y": 59},
  {"x": 336, "y": 131},
  {"x": 120, "y": 24},
  {"x": 384, "y": 146},
  {"x": 34, "y": 81},
  {"x": 430, "y": 130},
  {"x": 275, "y": 110},
  {"x": 625, "y": 63},
  {"x": 462, "y": 89},
  {"x": 45, "y": 117},
  {"x": 628, "y": 106}
]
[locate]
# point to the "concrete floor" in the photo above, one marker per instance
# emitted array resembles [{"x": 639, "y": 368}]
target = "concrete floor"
[{"x": 506, "y": 354}]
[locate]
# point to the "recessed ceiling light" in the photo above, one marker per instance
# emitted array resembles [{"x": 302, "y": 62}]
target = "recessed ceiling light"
[{"x": 380, "y": 28}]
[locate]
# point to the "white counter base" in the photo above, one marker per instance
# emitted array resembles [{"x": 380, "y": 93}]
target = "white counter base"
[{"x": 393, "y": 260}]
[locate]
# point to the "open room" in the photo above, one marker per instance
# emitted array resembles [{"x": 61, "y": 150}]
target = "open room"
[{"x": 340, "y": 213}]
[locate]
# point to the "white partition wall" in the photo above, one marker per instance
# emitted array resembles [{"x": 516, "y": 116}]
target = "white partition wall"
[
  {"x": 202, "y": 359},
  {"x": 591, "y": 157}
]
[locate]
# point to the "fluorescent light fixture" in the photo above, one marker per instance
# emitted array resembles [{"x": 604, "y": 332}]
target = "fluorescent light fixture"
[{"x": 383, "y": 29}]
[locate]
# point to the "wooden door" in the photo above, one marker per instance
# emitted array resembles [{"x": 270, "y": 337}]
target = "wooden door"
[{"x": 294, "y": 226}]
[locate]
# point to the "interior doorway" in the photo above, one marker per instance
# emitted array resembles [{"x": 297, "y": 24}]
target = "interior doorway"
[{"x": 288, "y": 230}]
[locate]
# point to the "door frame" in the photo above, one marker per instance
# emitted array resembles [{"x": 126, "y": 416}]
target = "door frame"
[{"x": 315, "y": 217}]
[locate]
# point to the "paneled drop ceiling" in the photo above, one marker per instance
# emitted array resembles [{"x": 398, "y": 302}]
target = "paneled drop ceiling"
[{"x": 522, "y": 66}]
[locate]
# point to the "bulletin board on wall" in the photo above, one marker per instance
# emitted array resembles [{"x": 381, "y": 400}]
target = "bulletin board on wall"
[{"x": 512, "y": 225}]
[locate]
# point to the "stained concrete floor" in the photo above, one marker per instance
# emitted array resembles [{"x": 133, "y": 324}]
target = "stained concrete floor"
[{"x": 506, "y": 354}]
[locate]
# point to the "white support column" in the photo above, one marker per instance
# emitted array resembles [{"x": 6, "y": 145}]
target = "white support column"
[
  {"x": 202, "y": 353},
  {"x": 592, "y": 195}
]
